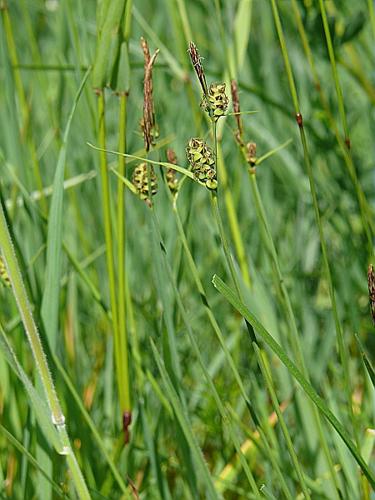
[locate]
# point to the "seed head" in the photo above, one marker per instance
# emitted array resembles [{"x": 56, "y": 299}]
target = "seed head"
[
  {"x": 251, "y": 153},
  {"x": 371, "y": 290},
  {"x": 216, "y": 102},
  {"x": 172, "y": 181},
  {"x": 4, "y": 277},
  {"x": 144, "y": 179},
  {"x": 202, "y": 161},
  {"x": 197, "y": 65},
  {"x": 237, "y": 111},
  {"x": 148, "y": 123}
]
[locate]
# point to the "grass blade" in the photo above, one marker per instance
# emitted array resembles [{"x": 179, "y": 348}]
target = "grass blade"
[{"x": 232, "y": 297}]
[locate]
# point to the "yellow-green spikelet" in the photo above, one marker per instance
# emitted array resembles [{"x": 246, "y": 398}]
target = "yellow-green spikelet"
[
  {"x": 217, "y": 100},
  {"x": 143, "y": 180},
  {"x": 202, "y": 161},
  {"x": 4, "y": 278}
]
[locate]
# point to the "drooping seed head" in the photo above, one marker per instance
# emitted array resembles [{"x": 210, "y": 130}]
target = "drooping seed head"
[
  {"x": 144, "y": 179},
  {"x": 202, "y": 161}
]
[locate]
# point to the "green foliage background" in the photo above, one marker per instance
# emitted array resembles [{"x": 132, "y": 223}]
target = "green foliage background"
[{"x": 55, "y": 42}]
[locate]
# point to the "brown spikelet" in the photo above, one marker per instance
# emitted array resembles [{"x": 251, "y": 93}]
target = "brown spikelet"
[
  {"x": 197, "y": 65},
  {"x": 237, "y": 111},
  {"x": 148, "y": 123},
  {"x": 251, "y": 153},
  {"x": 371, "y": 290}
]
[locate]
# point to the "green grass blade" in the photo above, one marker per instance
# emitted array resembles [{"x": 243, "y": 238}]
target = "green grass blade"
[
  {"x": 185, "y": 426},
  {"x": 14, "y": 442},
  {"x": 50, "y": 302},
  {"x": 232, "y": 297}
]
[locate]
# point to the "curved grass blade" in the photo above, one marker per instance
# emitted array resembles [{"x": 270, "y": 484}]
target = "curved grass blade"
[
  {"x": 147, "y": 160},
  {"x": 42, "y": 412},
  {"x": 232, "y": 298},
  {"x": 12, "y": 440}
]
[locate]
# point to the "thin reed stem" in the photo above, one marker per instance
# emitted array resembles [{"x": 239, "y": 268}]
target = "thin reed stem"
[
  {"x": 122, "y": 341},
  {"x": 364, "y": 208},
  {"x": 232, "y": 218},
  {"x": 267, "y": 376},
  {"x": 222, "y": 410},
  {"x": 25, "y": 113},
  {"x": 339, "y": 334},
  {"x": 109, "y": 242},
  {"x": 331, "y": 53}
]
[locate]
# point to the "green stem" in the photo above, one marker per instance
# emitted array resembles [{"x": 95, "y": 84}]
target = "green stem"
[
  {"x": 219, "y": 334},
  {"x": 371, "y": 9},
  {"x": 40, "y": 359},
  {"x": 232, "y": 218},
  {"x": 307, "y": 161},
  {"x": 25, "y": 113},
  {"x": 210, "y": 315},
  {"x": 122, "y": 341},
  {"x": 108, "y": 239},
  {"x": 222, "y": 410},
  {"x": 331, "y": 53},
  {"x": 294, "y": 336},
  {"x": 265, "y": 368},
  {"x": 224, "y": 241},
  {"x": 365, "y": 210}
]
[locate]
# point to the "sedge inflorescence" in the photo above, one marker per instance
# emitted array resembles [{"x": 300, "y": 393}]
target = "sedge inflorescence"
[
  {"x": 144, "y": 180},
  {"x": 202, "y": 161},
  {"x": 216, "y": 101}
]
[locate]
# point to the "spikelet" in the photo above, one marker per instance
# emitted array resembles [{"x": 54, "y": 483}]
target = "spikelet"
[
  {"x": 196, "y": 61},
  {"x": 172, "y": 181},
  {"x": 148, "y": 123},
  {"x": 142, "y": 182},
  {"x": 251, "y": 153},
  {"x": 216, "y": 101},
  {"x": 202, "y": 161},
  {"x": 237, "y": 111},
  {"x": 4, "y": 278}
]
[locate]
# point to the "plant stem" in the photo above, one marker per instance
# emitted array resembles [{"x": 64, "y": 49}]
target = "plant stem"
[
  {"x": 340, "y": 101},
  {"x": 294, "y": 336},
  {"x": 122, "y": 341},
  {"x": 222, "y": 410},
  {"x": 108, "y": 240},
  {"x": 219, "y": 334},
  {"x": 265, "y": 368},
  {"x": 25, "y": 113},
  {"x": 40, "y": 359},
  {"x": 232, "y": 218},
  {"x": 308, "y": 166}
]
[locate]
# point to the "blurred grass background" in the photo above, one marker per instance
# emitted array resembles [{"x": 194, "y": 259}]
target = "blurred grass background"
[{"x": 55, "y": 42}]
